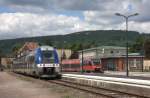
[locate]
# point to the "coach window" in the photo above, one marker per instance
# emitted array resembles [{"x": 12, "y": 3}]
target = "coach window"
[
  {"x": 111, "y": 52},
  {"x": 48, "y": 54},
  {"x": 118, "y": 51},
  {"x": 90, "y": 63},
  {"x": 32, "y": 59},
  {"x": 84, "y": 63}
]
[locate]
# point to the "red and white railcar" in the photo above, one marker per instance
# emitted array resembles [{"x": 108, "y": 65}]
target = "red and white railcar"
[{"x": 75, "y": 65}]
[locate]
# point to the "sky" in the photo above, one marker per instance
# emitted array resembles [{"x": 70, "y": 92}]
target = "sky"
[{"x": 27, "y": 18}]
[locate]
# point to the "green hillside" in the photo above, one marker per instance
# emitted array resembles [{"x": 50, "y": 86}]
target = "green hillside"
[{"x": 94, "y": 38}]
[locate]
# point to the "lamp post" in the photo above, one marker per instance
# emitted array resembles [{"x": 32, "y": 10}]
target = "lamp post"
[
  {"x": 82, "y": 58},
  {"x": 82, "y": 61},
  {"x": 126, "y": 19}
]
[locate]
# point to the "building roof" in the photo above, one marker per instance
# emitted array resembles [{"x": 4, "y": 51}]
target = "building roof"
[
  {"x": 130, "y": 55},
  {"x": 103, "y": 47},
  {"x": 123, "y": 56},
  {"x": 29, "y": 46}
]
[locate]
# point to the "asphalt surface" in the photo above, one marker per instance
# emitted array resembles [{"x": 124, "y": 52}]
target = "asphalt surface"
[{"x": 12, "y": 87}]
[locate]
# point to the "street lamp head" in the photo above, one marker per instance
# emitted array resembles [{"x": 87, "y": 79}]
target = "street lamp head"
[
  {"x": 118, "y": 14},
  {"x": 136, "y": 14},
  {"x": 125, "y": 16},
  {"x": 133, "y": 15}
]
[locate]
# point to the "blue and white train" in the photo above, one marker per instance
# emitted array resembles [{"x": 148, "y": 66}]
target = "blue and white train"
[{"x": 43, "y": 62}]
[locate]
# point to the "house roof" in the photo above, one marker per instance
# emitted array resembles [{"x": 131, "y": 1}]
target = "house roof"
[{"x": 29, "y": 46}]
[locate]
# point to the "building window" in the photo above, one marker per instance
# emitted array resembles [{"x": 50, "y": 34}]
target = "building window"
[{"x": 111, "y": 52}]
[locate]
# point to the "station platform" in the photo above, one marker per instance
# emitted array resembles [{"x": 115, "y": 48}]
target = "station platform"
[
  {"x": 141, "y": 74},
  {"x": 132, "y": 75},
  {"x": 128, "y": 85}
]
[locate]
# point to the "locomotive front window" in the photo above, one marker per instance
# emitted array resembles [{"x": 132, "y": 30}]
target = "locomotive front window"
[
  {"x": 96, "y": 61},
  {"x": 47, "y": 54},
  {"x": 47, "y": 57}
]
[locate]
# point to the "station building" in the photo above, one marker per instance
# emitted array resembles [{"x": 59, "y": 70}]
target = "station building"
[
  {"x": 146, "y": 65},
  {"x": 6, "y": 62},
  {"x": 26, "y": 48},
  {"x": 114, "y": 58},
  {"x": 64, "y": 53}
]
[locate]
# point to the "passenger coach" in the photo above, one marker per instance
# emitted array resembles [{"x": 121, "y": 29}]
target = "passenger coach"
[{"x": 43, "y": 62}]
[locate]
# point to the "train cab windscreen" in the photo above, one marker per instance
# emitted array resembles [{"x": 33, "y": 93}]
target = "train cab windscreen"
[
  {"x": 96, "y": 61},
  {"x": 48, "y": 56}
]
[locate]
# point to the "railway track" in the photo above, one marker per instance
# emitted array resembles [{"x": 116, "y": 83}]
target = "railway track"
[
  {"x": 103, "y": 93},
  {"x": 95, "y": 90}
]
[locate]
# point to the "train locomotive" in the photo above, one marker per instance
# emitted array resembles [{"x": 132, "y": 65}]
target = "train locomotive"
[{"x": 43, "y": 62}]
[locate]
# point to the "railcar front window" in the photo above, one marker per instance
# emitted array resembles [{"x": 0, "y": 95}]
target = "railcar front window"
[
  {"x": 48, "y": 57},
  {"x": 47, "y": 54},
  {"x": 96, "y": 63}
]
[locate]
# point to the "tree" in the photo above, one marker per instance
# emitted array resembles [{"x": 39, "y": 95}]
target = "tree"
[
  {"x": 138, "y": 45},
  {"x": 0, "y": 55},
  {"x": 74, "y": 55},
  {"x": 73, "y": 46},
  {"x": 15, "y": 48},
  {"x": 48, "y": 42},
  {"x": 78, "y": 47}
]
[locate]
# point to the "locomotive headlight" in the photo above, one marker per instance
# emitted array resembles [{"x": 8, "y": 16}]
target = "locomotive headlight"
[
  {"x": 57, "y": 69},
  {"x": 40, "y": 59}
]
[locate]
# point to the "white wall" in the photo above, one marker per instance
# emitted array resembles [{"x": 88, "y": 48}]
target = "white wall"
[{"x": 146, "y": 64}]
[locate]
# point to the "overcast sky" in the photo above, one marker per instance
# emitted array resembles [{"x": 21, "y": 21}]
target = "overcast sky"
[{"x": 26, "y": 18}]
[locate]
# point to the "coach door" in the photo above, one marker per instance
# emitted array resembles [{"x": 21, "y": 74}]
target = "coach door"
[{"x": 111, "y": 64}]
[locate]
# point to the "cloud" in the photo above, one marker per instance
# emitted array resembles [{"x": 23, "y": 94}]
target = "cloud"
[
  {"x": 109, "y": 21},
  {"x": 102, "y": 6},
  {"x": 16, "y": 25},
  {"x": 57, "y": 4},
  {"x": 138, "y": 26},
  {"x": 48, "y": 17},
  {"x": 39, "y": 3},
  {"x": 29, "y": 24},
  {"x": 82, "y": 5},
  {"x": 105, "y": 7}
]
